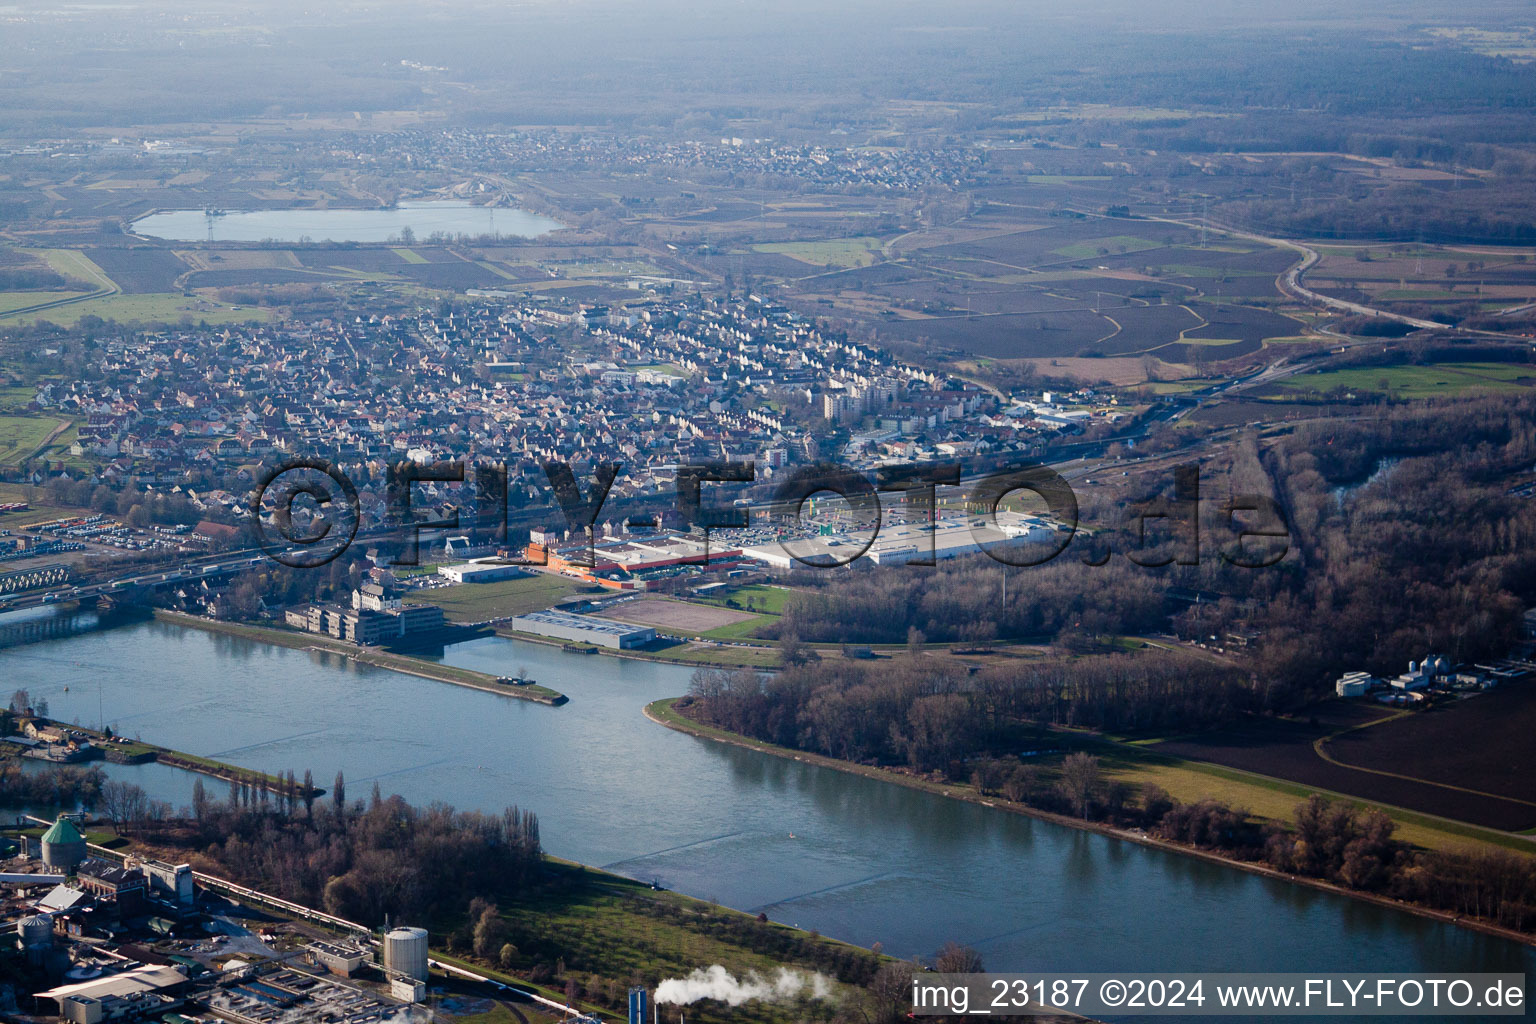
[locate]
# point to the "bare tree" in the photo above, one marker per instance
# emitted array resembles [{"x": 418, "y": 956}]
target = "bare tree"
[
  {"x": 1079, "y": 781},
  {"x": 124, "y": 803},
  {"x": 954, "y": 958},
  {"x": 889, "y": 993}
]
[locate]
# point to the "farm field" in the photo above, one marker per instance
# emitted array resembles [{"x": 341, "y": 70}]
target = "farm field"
[
  {"x": 10, "y": 301},
  {"x": 1438, "y": 379},
  {"x": 167, "y": 307},
  {"x": 839, "y": 252},
  {"x": 1117, "y": 244},
  {"x": 141, "y": 269},
  {"x": 1283, "y": 749},
  {"x": 1071, "y": 288},
  {"x": 1276, "y": 799},
  {"x": 477, "y": 602},
  {"x": 709, "y": 654},
  {"x": 72, "y": 264},
  {"x": 16, "y": 397},
  {"x": 1427, "y": 275},
  {"x": 1481, "y": 743},
  {"x": 1260, "y": 409}
]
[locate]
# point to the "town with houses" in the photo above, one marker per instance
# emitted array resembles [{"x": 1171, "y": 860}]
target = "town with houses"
[
  {"x": 822, "y": 462},
  {"x": 650, "y": 386}
]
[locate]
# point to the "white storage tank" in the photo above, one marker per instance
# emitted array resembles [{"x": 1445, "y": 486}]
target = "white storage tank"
[{"x": 405, "y": 952}]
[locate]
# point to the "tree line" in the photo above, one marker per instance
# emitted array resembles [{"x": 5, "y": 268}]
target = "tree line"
[
  {"x": 930, "y": 715},
  {"x": 359, "y": 860},
  {"x": 56, "y": 786},
  {"x": 1334, "y": 842}
]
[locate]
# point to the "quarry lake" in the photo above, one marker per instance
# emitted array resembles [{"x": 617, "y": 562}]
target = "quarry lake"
[
  {"x": 382, "y": 225},
  {"x": 854, "y": 858}
]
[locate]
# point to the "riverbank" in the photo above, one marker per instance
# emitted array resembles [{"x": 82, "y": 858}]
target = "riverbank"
[
  {"x": 664, "y": 713},
  {"x": 605, "y": 927},
  {"x": 118, "y": 750},
  {"x": 367, "y": 656}
]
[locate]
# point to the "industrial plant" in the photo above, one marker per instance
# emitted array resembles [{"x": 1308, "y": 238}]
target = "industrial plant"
[{"x": 96, "y": 937}]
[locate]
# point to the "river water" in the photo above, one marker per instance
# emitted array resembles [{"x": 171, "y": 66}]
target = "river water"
[
  {"x": 424, "y": 218},
  {"x": 855, "y": 858}
]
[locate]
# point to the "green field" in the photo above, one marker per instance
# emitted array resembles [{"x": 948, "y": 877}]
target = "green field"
[
  {"x": 608, "y": 929},
  {"x": 1417, "y": 381},
  {"x": 768, "y": 600},
  {"x": 698, "y": 654},
  {"x": 747, "y": 629},
  {"x": 477, "y": 602},
  {"x": 1276, "y": 799},
  {"x": 617, "y": 927},
  {"x": 1178, "y": 387},
  {"x": 1436, "y": 294},
  {"x": 166, "y": 307},
  {"x": 21, "y": 436},
  {"x": 1107, "y": 112},
  {"x": 1214, "y": 273},
  {"x": 838, "y": 252},
  {"x": 20, "y": 300},
  {"x": 71, "y": 263},
  {"x": 17, "y": 397},
  {"x": 1114, "y": 244},
  {"x": 409, "y": 255},
  {"x": 1210, "y": 341},
  {"x": 1064, "y": 179}
]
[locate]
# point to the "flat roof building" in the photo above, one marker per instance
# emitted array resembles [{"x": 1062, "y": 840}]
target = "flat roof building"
[
  {"x": 480, "y": 572},
  {"x": 587, "y": 629},
  {"x": 339, "y": 958}
]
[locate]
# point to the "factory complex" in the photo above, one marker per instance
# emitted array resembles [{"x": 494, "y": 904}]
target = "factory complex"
[{"x": 97, "y": 939}]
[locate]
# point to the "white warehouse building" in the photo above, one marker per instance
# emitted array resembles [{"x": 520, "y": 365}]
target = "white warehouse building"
[
  {"x": 585, "y": 629},
  {"x": 480, "y": 572}
]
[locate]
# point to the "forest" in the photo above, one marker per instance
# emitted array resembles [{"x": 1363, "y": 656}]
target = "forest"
[
  {"x": 1403, "y": 539},
  {"x": 359, "y": 860},
  {"x": 57, "y": 786}
]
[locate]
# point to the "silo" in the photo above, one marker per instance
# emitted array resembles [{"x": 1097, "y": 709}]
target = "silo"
[
  {"x": 63, "y": 846},
  {"x": 405, "y": 952},
  {"x": 35, "y": 936},
  {"x": 36, "y": 931}
]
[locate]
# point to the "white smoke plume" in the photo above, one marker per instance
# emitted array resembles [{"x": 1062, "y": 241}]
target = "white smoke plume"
[{"x": 715, "y": 982}]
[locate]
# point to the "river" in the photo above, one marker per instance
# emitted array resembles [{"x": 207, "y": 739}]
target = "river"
[{"x": 854, "y": 858}]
